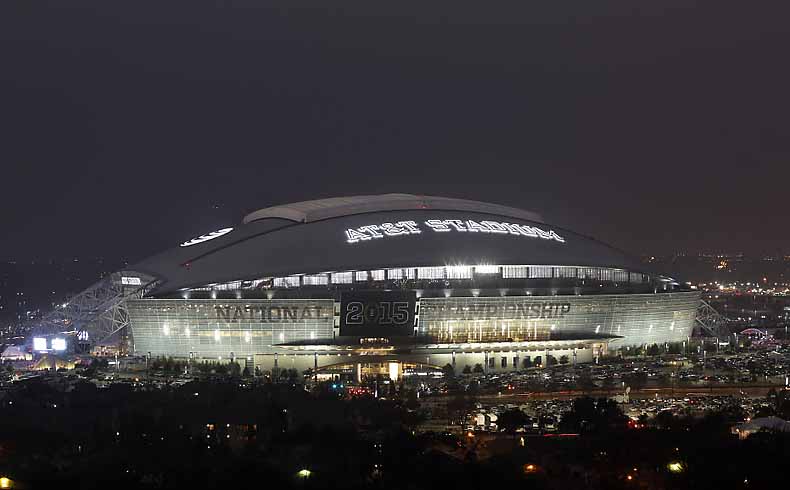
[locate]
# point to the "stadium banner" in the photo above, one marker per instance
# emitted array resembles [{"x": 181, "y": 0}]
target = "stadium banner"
[{"x": 377, "y": 313}]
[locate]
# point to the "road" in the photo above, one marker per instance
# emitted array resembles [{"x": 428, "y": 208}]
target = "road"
[{"x": 752, "y": 391}]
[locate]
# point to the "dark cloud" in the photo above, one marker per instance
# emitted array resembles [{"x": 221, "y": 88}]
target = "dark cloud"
[{"x": 129, "y": 126}]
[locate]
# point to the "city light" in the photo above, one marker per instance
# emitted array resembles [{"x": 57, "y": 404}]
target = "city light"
[
  {"x": 59, "y": 344},
  {"x": 6, "y": 482},
  {"x": 304, "y": 473}
]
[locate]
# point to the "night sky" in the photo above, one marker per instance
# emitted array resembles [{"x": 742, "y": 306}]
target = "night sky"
[{"x": 128, "y": 127}]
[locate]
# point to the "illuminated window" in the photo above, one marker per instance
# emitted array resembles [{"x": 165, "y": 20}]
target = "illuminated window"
[
  {"x": 361, "y": 276},
  {"x": 589, "y": 273},
  {"x": 567, "y": 272},
  {"x": 316, "y": 280},
  {"x": 395, "y": 274},
  {"x": 401, "y": 274},
  {"x": 287, "y": 282},
  {"x": 430, "y": 272},
  {"x": 515, "y": 271},
  {"x": 342, "y": 278},
  {"x": 540, "y": 272},
  {"x": 459, "y": 272},
  {"x": 620, "y": 276},
  {"x": 377, "y": 275}
]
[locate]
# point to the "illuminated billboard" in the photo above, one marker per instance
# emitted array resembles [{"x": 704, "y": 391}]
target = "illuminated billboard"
[
  {"x": 39, "y": 344},
  {"x": 58, "y": 344},
  {"x": 377, "y": 313}
]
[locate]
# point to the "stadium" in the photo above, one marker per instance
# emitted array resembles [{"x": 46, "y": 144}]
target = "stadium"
[{"x": 390, "y": 284}]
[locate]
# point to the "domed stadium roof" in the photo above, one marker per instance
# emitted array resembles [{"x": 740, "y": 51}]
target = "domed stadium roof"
[
  {"x": 308, "y": 211},
  {"x": 375, "y": 232}
]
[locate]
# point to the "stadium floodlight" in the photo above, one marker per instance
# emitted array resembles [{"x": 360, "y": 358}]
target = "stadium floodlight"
[
  {"x": 39, "y": 344},
  {"x": 59, "y": 344}
]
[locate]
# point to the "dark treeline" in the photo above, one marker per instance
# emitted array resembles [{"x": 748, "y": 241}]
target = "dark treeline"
[{"x": 208, "y": 435}]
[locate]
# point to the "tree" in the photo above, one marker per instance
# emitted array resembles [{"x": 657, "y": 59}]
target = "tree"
[
  {"x": 459, "y": 406},
  {"x": 467, "y": 369},
  {"x": 478, "y": 368},
  {"x": 653, "y": 350},
  {"x": 448, "y": 370},
  {"x": 665, "y": 420},
  {"x": 512, "y": 419},
  {"x": 590, "y": 415},
  {"x": 636, "y": 380},
  {"x": 551, "y": 360},
  {"x": 563, "y": 359},
  {"x": 585, "y": 381},
  {"x": 411, "y": 418}
]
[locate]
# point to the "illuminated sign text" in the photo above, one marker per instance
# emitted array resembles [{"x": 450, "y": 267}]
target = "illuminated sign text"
[{"x": 373, "y": 232}]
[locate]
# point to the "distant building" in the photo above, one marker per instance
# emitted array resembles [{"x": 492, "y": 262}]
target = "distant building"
[
  {"x": 772, "y": 424},
  {"x": 15, "y": 353}
]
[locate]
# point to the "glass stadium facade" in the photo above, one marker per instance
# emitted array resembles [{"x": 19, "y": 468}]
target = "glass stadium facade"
[
  {"x": 633, "y": 319},
  {"x": 217, "y": 328},
  {"x": 226, "y": 328}
]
